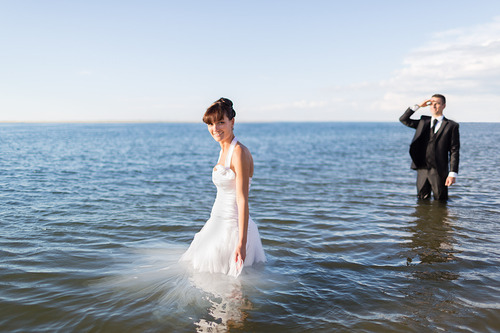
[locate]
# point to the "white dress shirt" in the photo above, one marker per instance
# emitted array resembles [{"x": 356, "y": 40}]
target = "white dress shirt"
[{"x": 438, "y": 124}]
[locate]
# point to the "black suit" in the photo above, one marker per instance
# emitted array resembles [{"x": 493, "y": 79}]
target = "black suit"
[{"x": 433, "y": 156}]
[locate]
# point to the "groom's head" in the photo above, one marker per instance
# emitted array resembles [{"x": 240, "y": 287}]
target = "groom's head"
[{"x": 438, "y": 103}]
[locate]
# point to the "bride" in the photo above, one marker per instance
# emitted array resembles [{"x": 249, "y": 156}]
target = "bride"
[{"x": 230, "y": 238}]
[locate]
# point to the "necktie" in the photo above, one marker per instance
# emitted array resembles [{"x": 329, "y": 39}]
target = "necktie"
[{"x": 433, "y": 128}]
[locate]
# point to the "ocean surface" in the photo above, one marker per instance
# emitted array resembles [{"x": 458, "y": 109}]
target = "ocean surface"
[{"x": 93, "y": 218}]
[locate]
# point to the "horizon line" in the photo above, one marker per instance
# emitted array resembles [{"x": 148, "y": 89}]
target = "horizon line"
[{"x": 197, "y": 122}]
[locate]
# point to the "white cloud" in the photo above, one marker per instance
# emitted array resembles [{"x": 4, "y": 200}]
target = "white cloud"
[
  {"x": 463, "y": 64},
  {"x": 84, "y": 72}
]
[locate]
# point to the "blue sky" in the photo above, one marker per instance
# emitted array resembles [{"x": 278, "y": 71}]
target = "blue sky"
[{"x": 277, "y": 60}]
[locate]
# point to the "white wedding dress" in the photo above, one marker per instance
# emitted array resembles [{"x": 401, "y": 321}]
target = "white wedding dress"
[{"x": 213, "y": 247}]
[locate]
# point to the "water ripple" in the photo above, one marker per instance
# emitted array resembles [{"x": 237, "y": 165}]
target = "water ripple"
[{"x": 94, "y": 218}]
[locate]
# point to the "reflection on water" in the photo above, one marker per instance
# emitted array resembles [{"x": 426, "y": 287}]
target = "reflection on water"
[
  {"x": 179, "y": 296},
  {"x": 433, "y": 269},
  {"x": 431, "y": 240},
  {"x": 227, "y": 302}
]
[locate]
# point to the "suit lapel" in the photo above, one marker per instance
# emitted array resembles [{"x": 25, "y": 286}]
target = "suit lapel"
[
  {"x": 425, "y": 123},
  {"x": 441, "y": 129}
]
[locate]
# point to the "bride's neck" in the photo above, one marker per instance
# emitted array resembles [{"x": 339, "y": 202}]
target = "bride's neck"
[{"x": 224, "y": 145}]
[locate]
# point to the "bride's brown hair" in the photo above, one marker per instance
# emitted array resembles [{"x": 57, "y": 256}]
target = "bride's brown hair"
[{"x": 217, "y": 110}]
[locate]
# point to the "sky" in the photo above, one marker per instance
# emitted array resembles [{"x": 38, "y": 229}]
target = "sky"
[{"x": 167, "y": 61}]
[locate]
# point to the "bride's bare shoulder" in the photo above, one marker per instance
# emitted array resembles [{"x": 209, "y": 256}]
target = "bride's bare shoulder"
[{"x": 242, "y": 152}]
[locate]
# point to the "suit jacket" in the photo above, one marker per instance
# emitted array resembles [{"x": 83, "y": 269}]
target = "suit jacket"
[{"x": 446, "y": 140}]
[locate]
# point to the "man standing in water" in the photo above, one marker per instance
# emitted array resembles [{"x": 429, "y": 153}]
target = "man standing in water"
[{"x": 434, "y": 149}]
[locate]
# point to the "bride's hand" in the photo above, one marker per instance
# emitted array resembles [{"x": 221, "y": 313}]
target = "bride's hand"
[{"x": 240, "y": 254}]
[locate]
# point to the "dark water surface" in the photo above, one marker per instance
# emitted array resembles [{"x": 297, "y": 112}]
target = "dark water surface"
[{"x": 94, "y": 217}]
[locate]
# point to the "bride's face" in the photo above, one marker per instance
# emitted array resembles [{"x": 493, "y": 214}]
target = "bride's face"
[{"x": 222, "y": 130}]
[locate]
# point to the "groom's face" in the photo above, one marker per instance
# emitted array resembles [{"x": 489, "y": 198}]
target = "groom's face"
[{"x": 437, "y": 106}]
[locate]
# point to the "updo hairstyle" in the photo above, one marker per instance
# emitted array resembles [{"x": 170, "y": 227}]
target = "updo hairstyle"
[{"x": 217, "y": 110}]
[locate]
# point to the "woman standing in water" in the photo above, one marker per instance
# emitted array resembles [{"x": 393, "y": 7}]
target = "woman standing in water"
[{"x": 230, "y": 238}]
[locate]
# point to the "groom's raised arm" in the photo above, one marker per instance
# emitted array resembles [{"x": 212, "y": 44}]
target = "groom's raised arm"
[{"x": 406, "y": 120}]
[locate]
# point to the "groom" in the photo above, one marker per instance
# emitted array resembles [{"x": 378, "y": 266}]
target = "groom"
[{"x": 436, "y": 139}]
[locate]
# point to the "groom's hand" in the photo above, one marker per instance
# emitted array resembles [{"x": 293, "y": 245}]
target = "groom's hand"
[
  {"x": 425, "y": 103},
  {"x": 450, "y": 181}
]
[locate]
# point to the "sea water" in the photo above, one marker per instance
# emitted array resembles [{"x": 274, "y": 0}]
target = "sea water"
[{"x": 93, "y": 218}]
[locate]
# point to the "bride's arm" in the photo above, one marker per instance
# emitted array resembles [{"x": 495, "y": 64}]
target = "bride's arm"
[{"x": 243, "y": 166}]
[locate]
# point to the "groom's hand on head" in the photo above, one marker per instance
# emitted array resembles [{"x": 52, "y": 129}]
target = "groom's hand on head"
[{"x": 425, "y": 103}]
